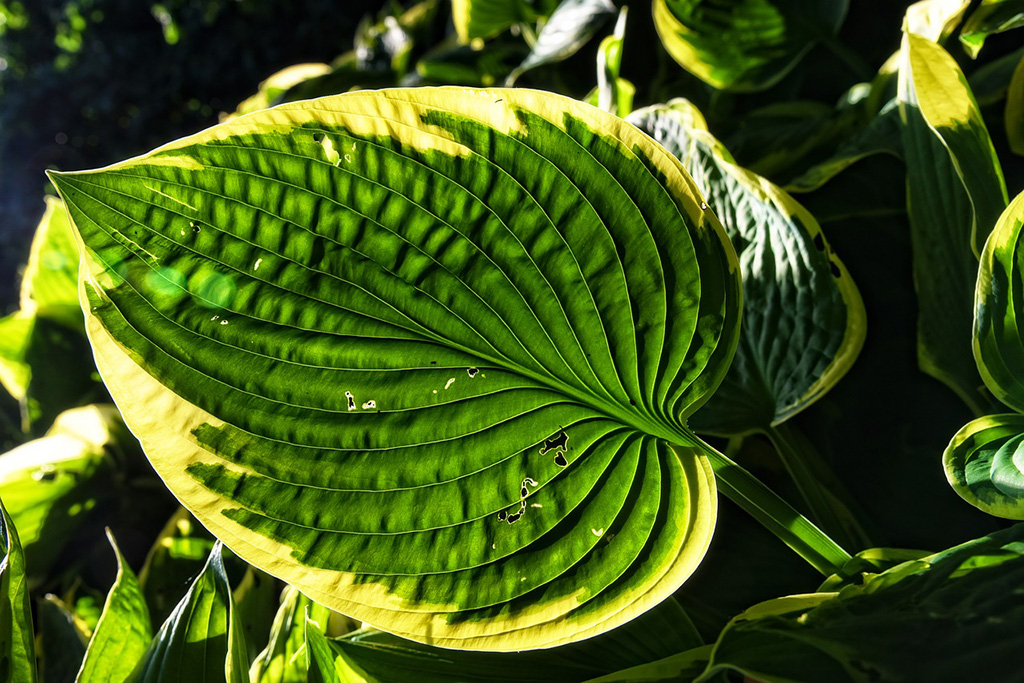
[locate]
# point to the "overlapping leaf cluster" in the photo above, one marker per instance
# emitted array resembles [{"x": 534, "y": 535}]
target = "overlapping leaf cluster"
[{"x": 471, "y": 366}]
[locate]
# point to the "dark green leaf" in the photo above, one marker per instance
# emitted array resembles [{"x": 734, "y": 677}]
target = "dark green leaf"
[
  {"x": 955, "y": 194},
  {"x": 952, "y": 616},
  {"x": 201, "y": 639},
  {"x": 178, "y": 555},
  {"x": 660, "y": 633},
  {"x": 17, "y": 646},
  {"x": 803, "y": 321},
  {"x": 61, "y": 643}
]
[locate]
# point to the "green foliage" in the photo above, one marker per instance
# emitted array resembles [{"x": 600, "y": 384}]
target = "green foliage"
[{"x": 436, "y": 359}]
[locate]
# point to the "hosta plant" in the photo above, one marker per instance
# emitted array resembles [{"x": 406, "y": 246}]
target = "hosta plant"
[{"x": 565, "y": 381}]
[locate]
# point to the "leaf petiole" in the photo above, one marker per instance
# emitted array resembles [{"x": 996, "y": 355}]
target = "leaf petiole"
[{"x": 778, "y": 516}]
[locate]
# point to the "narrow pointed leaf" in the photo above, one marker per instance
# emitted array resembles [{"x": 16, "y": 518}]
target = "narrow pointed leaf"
[
  {"x": 945, "y": 617},
  {"x": 570, "y": 27},
  {"x": 422, "y": 353},
  {"x": 328, "y": 663},
  {"x": 283, "y": 660},
  {"x": 744, "y": 45},
  {"x": 256, "y": 603},
  {"x": 990, "y": 17},
  {"x": 123, "y": 632},
  {"x": 201, "y": 639},
  {"x": 955, "y": 194},
  {"x": 17, "y": 645},
  {"x": 803, "y": 319},
  {"x": 660, "y": 633}
]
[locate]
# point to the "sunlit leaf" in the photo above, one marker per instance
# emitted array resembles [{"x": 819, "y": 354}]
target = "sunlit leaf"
[
  {"x": 123, "y": 632},
  {"x": 17, "y": 646},
  {"x": 951, "y": 616},
  {"x": 935, "y": 19},
  {"x": 998, "y": 339},
  {"x": 570, "y": 27},
  {"x": 425, "y": 354},
  {"x": 477, "y": 19},
  {"x": 201, "y": 639},
  {"x": 985, "y": 464},
  {"x": 991, "y": 16},
  {"x": 44, "y": 360},
  {"x": 744, "y": 44},
  {"x": 52, "y": 485},
  {"x": 284, "y": 659},
  {"x": 955, "y": 194}
]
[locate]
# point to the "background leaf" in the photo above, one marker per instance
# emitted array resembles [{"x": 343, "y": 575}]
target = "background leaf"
[
  {"x": 416, "y": 283},
  {"x": 17, "y": 646},
  {"x": 60, "y": 643},
  {"x": 955, "y": 193},
  {"x": 570, "y": 27},
  {"x": 202, "y": 638},
  {"x": 55, "y": 484},
  {"x": 944, "y": 617},
  {"x": 744, "y": 45},
  {"x": 44, "y": 359},
  {"x": 284, "y": 659},
  {"x": 991, "y": 16},
  {"x": 123, "y": 632}
]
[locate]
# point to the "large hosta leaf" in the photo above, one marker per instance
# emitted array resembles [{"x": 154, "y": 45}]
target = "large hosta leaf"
[
  {"x": 951, "y": 616},
  {"x": 744, "y": 44},
  {"x": 985, "y": 460},
  {"x": 803, "y": 319},
  {"x": 426, "y": 354},
  {"x": 955, "y": 192}
]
